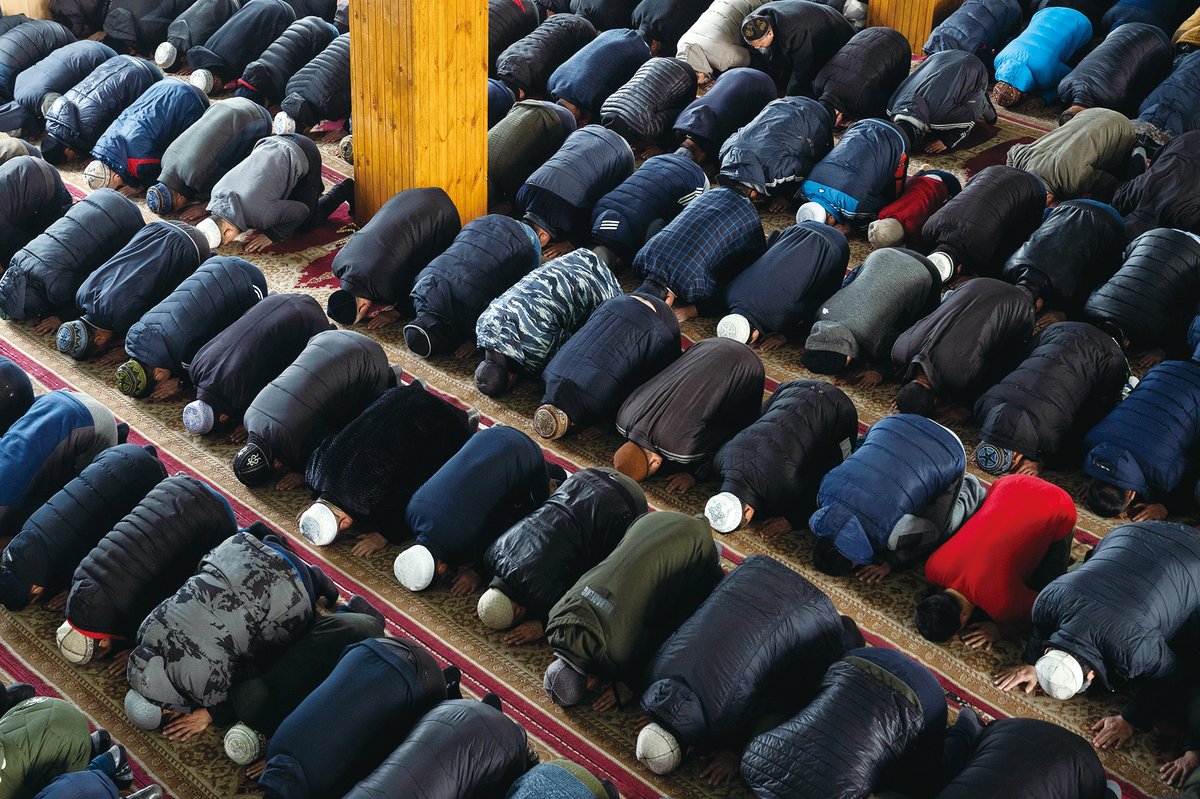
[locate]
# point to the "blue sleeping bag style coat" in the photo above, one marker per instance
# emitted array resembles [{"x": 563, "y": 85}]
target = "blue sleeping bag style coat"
[
  {"x": 133, "y": 145},
  {"x": 976, "y": 25},
  {"x": 778, "y": 149},
  {"x": 1038, "y": 59},
  {"x": 655, "y": 193},
  {"x": 602, "y": 66},
  {"x": 864, "y": 172}
]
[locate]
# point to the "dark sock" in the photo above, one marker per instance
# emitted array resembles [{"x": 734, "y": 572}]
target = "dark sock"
[
  {"x": 323, "y": 586},
  {"x": 15, "y": 694},
  {"x": 453, "y": 679},
  {"x": 359, "y": 604},
  {"x": 122, "y": 432},
  {"x": 493, "y": 701},
  {"x": 101, "y": 741}
]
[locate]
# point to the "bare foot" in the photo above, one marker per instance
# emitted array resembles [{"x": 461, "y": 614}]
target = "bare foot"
[
  {"x": 466, "y": 350},
  {"x": 383, "y": 319},
  {"x": 775, "y": 527},
  {"x": 48, "y": 325},
  {"x": 935, "y": 146},
  {"x": 290, "y": 482}
]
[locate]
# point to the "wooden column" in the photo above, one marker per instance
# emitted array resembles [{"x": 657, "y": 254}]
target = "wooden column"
[
  {"x": 914, "y": 18},
  {"x": 419, "y": 77}
]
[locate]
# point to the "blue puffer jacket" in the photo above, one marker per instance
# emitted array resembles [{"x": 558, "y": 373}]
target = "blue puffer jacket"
[
  {"x": 604, "y": 64},
  {"x": 895, "y": 495},
  {"x": 204, "y": 304},
  {"x": 242, "y": 39},
  {"x": 1174, "y": 106},
  {"x": 24, "y": 46},
  {"x": 863, "y": 173},
  {"x": 1166, "y": 15},
  {"x": 77, "y": 119},
  {"x": 503, "y": 472},
  {"x": 146, "y": 270},
  {"x": 621, "y": 346},
  {"x": 43, "y": 277},
  {"x": 56, "y": 73},
  {"x": 1120, "y": 71},
  {"x": 779, "y": 148},
  {"x": 1037, "y": 60},
  {"x": 134, "y": 144},
  {"x": 1145, "y": 443},
  {"x": 719, "y": 232},
  {"x": 658, "y": 190},
  {"x": 976, "y": 25},
  {"x": 782, "y": 290}
]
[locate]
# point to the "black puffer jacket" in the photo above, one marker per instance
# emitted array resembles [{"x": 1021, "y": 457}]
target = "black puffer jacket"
[
  {"x": 266, "y": 78},
  {"x": 735, "y": 98},
  {"x": 776, "y": 150},
  {"x": 321, "y": 89},
  {"x": 332, "y": 381},
  {"x": 1065, "y": 276},
  {"x": 806, "y": 37},
  {"x": 860, "y": 77},
  {"x": 528, "y": 63},
  {"x": 199, "y": 21},
  {"x": 80, "y": 116},
  {"x": 776, "y": 464},
  {"x": 1121, "y": 71},
  {"x": 54, "y": 74},
  {"x": 16, "y": 393},
  {"x": 540, "y": 557},
  {"x": 1157, "y": 286},
  {"x": 1165, "y": 194},
  {"x": 605, "y": 14},
  {"x": 460, "y": 748},
  {"x": 508, "y": 21},
  {"x": 1071, "y": 379},
  {"x": 664, "y": 21},
  {"x": 147, "y": 556},
  {"x": 242, "y": 39},
  {"x": 59, "y": 534},
  {"x": 983, "y": 224},
  {"x": 644, "y": 108},
  {"x": 141, "y": 25},
  {"x": 657, "y": 190},
  {"x": 975, "y": 26},
  {"x": 945, "y": 96},
  {"x": 778, "y": 634},
  {"x": 25, "y": 45},
  {"x": 485, "y": 260},
  {"x": 32, "y": 197}
]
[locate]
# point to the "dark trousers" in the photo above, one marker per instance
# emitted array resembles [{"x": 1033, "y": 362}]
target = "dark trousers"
[{"x": 1054, "y": 564}]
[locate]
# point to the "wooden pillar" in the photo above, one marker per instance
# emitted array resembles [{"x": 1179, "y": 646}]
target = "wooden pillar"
[
  {"x": 419, "y": 78},
  {"x": 914, "y": 18}
]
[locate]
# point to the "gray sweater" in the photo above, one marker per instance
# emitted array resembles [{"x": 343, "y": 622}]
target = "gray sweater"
[
  {"x": 253, "y": 195},
  {"x": 197, "y": 159}
]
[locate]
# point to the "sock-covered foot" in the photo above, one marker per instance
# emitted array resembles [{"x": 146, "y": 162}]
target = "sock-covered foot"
[
  {"x": 324, "y": 586},
  {"x": 453, "y": 679},
  {"x": 114, "y": 763},
  {"x": 149, "y": 792},
  {"x": 101, "y": 741},
  {"x": 492, "y": 700},
  {"x": 359, "y": 604},
  {"x": 969, "y": 722},
  {"x": 15, "y": 694}
]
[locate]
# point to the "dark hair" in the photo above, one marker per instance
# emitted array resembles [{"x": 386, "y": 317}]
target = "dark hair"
[
  {"x": 1106, "y": 499},
  {"x": 938, "y": 617},
  {"x": 914, "y": 397},
  {"x": 827, "y": 560},
  {"x": 823, "y": 362}
]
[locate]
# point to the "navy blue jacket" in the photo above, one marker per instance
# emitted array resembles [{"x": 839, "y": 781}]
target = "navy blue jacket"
[
  {"x": 605, "y": 14},
  {"x": 1166, "y": 15},
  {"x": 141, "y": 25},
  {"x": 25, "y": 45},
  {"x": 976, "y": 25},
  {"x": 57, "y": 72},
  {"x": 863, "y": 173},
  {"x": 16, "y": 393},
  {"x": 601, "y": 67},
  {"x": 242, "y": 39},
  {"x": 197, "y": 23},
  {"x": 321, "y": 89},
  {"x": 664, "y": 21},
  {"x": 32, "y": 197},
  {"x": 1174, "y": 106},
  {"x": 777, "y": 150},
  {"x": 500, "y": 101},
  {"x": 945, "y": 96},
  {"x": 528, "y": 63},
  {"x": 134, "y": 144},
  {"x": 1131, "y": 60},
  {"x": 88, "y": 108},
  {"x": 656, "y": 192},
  {"x": 265, "y": 78},
  {"x": 1164, "y": 195},
  {"x": 735, "y": 98}
]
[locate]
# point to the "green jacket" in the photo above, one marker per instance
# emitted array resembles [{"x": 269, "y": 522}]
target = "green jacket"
[
  {"x": 40, "y": 739},
  {"x": 617, "y": 615}
]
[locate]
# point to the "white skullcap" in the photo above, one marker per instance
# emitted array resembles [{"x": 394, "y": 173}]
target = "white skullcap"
[
  {"x": 165, "y": 54},
  {"x": 283, "y": 124},
  {"x": 811, "y": 212},
  {"x": 736, "y": 327},
  {"x": 414, "y": 568},
  {"x": 658, "y": 750},
  {"x": 1059, "y": 674},
  {"x": 211, "y": 231},
  {"x": 198, "y": 417},
  {"x": 319, "y": 524},
  {"x": 885, "y": 233},
  {"x": 495, "y": 609},
  {"x": 944, "y": 264},
  {"x": 203, "y": 80},
  {"x": 76, "y": 648},
  {"x": 243, "y": 745},
  {"x": 724, "y": 512},
  {"x": 97, "y": 174}
]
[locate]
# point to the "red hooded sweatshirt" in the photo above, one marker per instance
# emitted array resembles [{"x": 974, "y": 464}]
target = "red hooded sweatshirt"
[{"x": 922, "y": 196}]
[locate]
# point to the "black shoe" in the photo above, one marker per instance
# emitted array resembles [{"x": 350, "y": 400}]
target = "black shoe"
[
  {"x": 359, "y": 604},
  {"x": 453, "y": 679}
]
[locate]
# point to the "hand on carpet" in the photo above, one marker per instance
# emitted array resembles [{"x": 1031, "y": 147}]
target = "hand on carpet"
[
  {"x": 953, "y": 415},
  {"x": 119, "y": 662},
  {"x": 48, "y": 325},
  {"x": 527, "y": 632},
  {"x": 1151, "y": 358},
  {"x": 290, "y": 482},
  {"x": 980, "y": 635},
  {"x": 114, "y": 357},
  {"x": 368, "y": 544},
  {"x": 259, "y": 242},
  {"x": 255, "y": 770},
  {"x": 1112, "y": 732},
  {"x": 1148, "y": 512},
  {"x": 861, "y": 378},
  {"x": 680, "y": 483},
  {"x": 238, "y": 436},
  {"x": 193, "y": 214},
  {"x": 1023, "y": 676},
  {"x": 775, "y": 527},
  {"x": 1029, "y": 467},
  {"x": 466, "y": 582},
  {"x": 872, "y": 573},
  {"x": 130, "y": 191},
  {"x": 58, "y": 602},
  {"x": 771, "y": 342},
  {"x": 551, "y": 251},
  {"x": 1179, "y": 769},
  {"x": 383, "y": 319},
  {"x": 720, "y": 767},
  {"x": 592, "y": 433},
  {"x": 167, "y": 390},
  {"x": 935, "y": 146},
  {"x": 777, "y": 205},
  {"x": 685, "y": 312},
  {"x": 187, "y": 726},
  {"x": 614, "y": 697}
]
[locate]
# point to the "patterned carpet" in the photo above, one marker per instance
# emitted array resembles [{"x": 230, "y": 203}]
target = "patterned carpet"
[{"x": 448, "y": 626}]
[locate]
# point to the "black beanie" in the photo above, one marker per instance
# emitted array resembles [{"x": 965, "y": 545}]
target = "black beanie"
[
  {"x": 253, "y": 464},
  {"x": 15, "y": 593},
  {"x": 823, "y": 362},
  {"x": 491, "y": 377},
  {"x": 342, "y": 307},
  {"x": 915, "y": 398}
]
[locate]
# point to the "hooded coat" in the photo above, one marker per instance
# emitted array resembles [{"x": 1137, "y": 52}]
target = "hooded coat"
[
  {"x": 865, "y": 171},
  {"x": 267, "y": 77},
  {"x": 777, "y": 150},
  {"x": 976, "y": 26},
  {"x": 890, "y": 291},
  {"x": 1065, "y": 276},
  {"x": 245, "y": 598},
  {"x": 598, "y": 69},
  {"x": 893, "y": 498},
  {"x": 776, "y": 464},
  {"x": 1015, "y": 757},
  {"x": 778, "y": 635},
  {"x": 559, "y": 195},
  {"x": 215, "y": 144},
  {"x": 382, "y": 259},
  {"x": 146, "y": 556},
  {"x": 1174, "y": 106},
  {"x": 623, "y": 344},
  {"x": 154, "y": 262},
  {"x": 1081, "y": 157},
  {"x": 485, "y": 259},
  {"x": 1164, "y": 195},
  {"x": 274, "y": 190},
  {"x": 197, "y": 23},
  {"x": 656, "y": 192},
  {"x": 24, "y": 45},
  {"x": 807, "y": 35},
  {"x": 1123, "y": 68},
  {"x": 528, "y": 63},
  {"x": 604, "y": 14},
  {"x": 42, "y": 451},
  {"x": 237, "y": 363},
  {"x": 1038, "y": 58},
  {"x": 459, "y": 748},
  {"x": 713, "y": 44},
  {"x": 60, "y": 534},
  {"x": 537, "y": 560},
  {"x": 690, "y": 409},
  {"x": 521, "y": 142},
  {"x": 611, "y": 622},
  {"x": 531, "y": 321},
  {"x": 945, "y": 96},
  {"x": 782, "y": 291},
  {"x": 508, "y": 21},
  {"x": 716, "y": 236},
  {"x": 372, "y": 467},
  {"x": 971, "y": 340},
  {"x": 734, "y": 100},
  {"x": 320, "y": 89},
  {"x": 40, "y": 739},
  {"x": 1122, "y": 608},
  {"x": 1072, "y": 377},
  {"x": 80, "y": 116},
  {"x": 55, "y": 74},
  {"x": 133, "y": 145},
  {"x": 32, "y": 197},
  {"x": 217, "y": 294},
  {"x": 241, "y": 39},
  {"x": 333, "y": 739},
  {"x": 331, "y": 382},
  {"x": 1144, "y": 298},
  {"x": 860, "y": 77},
  {"x": 665, "y": 21},
  {"x": 1146, "y": 442},
  {"x": 647, "y": 105},
  {"x": 989, "y": 219},
  {"x": 500, "y": 101}
]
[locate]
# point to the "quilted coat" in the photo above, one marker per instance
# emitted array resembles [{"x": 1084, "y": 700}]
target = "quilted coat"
[
  {"x": 734, "y": 99},
  {"x": 56, "y": 73},
  {"x": 518, "y": 144},
  {"x": 806, "y": 37},
  {"x": 714, "y": 43},
  {"x": 241, "y": 39},
  {"x": 508, "y": 21},
  {"x": 215, "y": 144},
  {"x": 80, "y": 116},
  {"x": 605, "y": 14},
  {"x": 1174, "y": 106},
  {"x": 321, "y": 88},
  {"x": 32, "y": 197},
  {"x": 1164, "y": 14},
  {"x": 141, "y": 25},
  {"x": 665, "y": 21},
  {"x": 865, "y": 171},
  {"x": 975, "y": 26},
  {"x": 598, "y": 69},
  {"x": 777, "y": 150},
  {"x": 647, "y": 105},
  {"x": 945, "y": 96},
  {"x": 860, "y": 77},
  {"x": 42, "y": 738},
  {"x": 25, "y": 45},
  {"x": 1122, "y": 70},
  {"x": 266, "y": 77},
  {"x": 528, "y": 63},
  {"x": 1164, "y": 196},
  {"x": 656, "y": 192},
  {"x": 1037, "y": 59},
  {"x": 133, "y": 145},
  {"x": 1081, "y": 158}
]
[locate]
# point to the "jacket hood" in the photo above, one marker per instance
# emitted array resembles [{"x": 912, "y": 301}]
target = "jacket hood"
[
  {"x": 1116, "y": 466},
  {"x": 744, "y": 166},
  {"x": 1012, "y": 428},
  {"x": 838, "y": 523},
  {"x": 674, "y": 705},
  {"x": 832, "y": 337},
  {"x": 147, "y": 675}
]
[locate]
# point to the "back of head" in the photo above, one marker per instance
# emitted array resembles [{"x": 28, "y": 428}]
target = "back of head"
[
  {"x": 1105, "y": 499},
  {"x": 914, "y": 397},
  {"x": 938, "y": 617}
]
